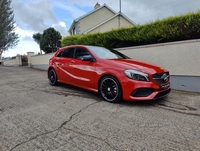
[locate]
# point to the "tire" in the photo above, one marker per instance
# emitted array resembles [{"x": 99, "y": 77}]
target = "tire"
[
  {"x": 110, "y": 89},
  {"x": 53, "y": 80}
]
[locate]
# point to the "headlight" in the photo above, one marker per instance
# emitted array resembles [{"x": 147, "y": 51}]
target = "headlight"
[{"x": 136, "y": 75}]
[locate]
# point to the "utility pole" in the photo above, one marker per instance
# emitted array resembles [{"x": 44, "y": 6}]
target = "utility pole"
[{"x": 119, "y": 13}]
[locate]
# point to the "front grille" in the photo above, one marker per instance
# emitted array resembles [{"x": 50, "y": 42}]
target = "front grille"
[
  {"x": 142, "y": 92},
  {"x": 161, "y": 77}
]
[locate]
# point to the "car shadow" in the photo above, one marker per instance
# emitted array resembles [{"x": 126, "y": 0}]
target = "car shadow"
[
  {"x": 143, "y": 103},
  {"x": 93, "y": 95},
  {"x": 76, "y": 91}
]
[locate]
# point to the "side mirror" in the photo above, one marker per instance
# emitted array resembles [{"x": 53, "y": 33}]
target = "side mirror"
[{"x": 87, "y": 58}]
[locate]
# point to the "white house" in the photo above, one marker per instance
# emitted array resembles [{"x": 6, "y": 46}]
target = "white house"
[{"x": 101, "y": 19}]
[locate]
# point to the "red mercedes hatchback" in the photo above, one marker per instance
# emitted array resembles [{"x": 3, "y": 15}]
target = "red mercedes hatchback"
[{"x": 112, "y": 74}]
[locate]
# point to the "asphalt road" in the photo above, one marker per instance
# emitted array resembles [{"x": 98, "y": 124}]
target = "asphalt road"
[{"x": 37, "y": 116}]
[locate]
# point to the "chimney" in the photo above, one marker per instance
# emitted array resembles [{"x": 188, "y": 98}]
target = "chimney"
[{"x": 97, "y": 5}]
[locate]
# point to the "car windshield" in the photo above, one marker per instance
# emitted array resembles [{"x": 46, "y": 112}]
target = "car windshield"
[{"x": 104, "y": 53}]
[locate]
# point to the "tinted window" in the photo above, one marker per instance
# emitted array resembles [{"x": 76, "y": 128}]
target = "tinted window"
[
  {"x": 59, "y": 55},
  {"x": 81, "y": 52},
  {"x": 67, "y": 53}
]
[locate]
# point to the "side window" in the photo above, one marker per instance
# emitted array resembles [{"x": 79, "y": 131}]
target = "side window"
[
  {"x": 81, "y": 52},
  {"x": 67, "y": 53},
  {"x": 60, "y": 54}
]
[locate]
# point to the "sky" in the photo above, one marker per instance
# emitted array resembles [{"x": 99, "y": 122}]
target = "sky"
[{"x": 33, "y": 16}]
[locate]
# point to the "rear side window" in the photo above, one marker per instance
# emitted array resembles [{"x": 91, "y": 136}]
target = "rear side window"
[
  {"x": 60, "y": 54},
  {"x": 67, "y": 53}
]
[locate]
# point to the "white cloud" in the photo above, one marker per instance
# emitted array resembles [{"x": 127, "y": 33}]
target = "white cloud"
[
  {"x": 24, "y": 33},
  {"x": 138, "y": 11},
  {"x": 33, "y": 16},
  {"x": 62, "y": 24},
  {"x": 26, "y": 44},
  {"x": 22, "y": 48},
  {"x": 61, "y": 27},
  {"x": 71, "y": 9}
]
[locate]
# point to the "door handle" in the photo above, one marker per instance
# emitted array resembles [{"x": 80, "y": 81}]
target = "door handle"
[{"x": 72, "y": 61}]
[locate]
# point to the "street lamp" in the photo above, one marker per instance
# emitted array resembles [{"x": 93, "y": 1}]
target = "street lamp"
[{"x": 119, "y": 13}]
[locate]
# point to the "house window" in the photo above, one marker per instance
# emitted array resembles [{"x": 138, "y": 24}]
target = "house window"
[{"x": 74, "y": 31}]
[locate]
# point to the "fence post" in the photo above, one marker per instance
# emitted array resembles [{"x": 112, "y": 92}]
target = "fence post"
[
  {"x": 18, "y": 60},
  {"x": 29, "y": 54}
]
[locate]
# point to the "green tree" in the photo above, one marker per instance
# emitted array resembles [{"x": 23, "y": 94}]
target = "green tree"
[
  {"x": 8, "y": 38},
  {"x": 37, "y": 37},
  {"x": 50, "y": 40}
]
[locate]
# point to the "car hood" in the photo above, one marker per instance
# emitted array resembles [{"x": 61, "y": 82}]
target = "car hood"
[{"x": 135, "y": 65}]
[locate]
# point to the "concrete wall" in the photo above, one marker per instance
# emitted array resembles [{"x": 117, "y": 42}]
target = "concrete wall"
[
  {"x": 39, "y": 61},
  {"x": 182, "y": 59},
  {"x": 13, "y": 62}
]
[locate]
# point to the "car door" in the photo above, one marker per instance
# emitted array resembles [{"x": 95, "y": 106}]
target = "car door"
[
  {"x": 63, "y": 62},
  {"x": 82, "y": 71}
]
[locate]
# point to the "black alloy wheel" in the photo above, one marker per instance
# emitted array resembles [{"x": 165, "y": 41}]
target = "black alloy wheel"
[
  {"x": 110, "y": 89},
  {"x": 52, "y": 77}
]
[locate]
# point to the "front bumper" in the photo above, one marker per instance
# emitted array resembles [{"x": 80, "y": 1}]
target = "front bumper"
[{"x": 144, "y": 91}]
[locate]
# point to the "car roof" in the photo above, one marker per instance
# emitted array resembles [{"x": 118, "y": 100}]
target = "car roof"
[{"x": 86, "y": 46}]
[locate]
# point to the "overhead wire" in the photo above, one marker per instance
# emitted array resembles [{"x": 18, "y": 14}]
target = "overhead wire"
[{"x": 164, "y": 6}]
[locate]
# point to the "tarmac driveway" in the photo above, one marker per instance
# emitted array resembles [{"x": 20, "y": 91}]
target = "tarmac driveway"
[{"x": 37, "y": 116}]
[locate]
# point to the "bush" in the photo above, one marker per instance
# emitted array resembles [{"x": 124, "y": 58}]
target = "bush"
[{"x": 183, "y": 27}]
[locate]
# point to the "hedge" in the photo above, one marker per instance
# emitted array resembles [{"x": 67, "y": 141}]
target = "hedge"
[{"x": 175, "y": 28}]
